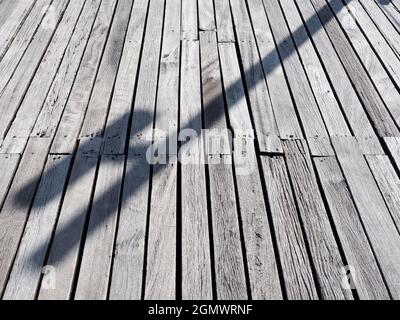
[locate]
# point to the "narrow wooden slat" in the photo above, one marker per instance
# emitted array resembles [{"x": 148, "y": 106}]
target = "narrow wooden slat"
[
  {"x": 388, "y": 182},
  {"x": 350, "y": 103},
  {"x": 41, "y": 83},
  {"x": 391, "y": 12},
  {"x": 378, "y": 223},
  {"x": 17, "y": 205},
  {"x": 367, "y": 278},
  {"x": 296, "y": 266},
  {"x": 53, "y": 107},
  {"x": 370, "y": 98},
  {"x": 196, "y": 261},
  {"x": 14, "y": 92},
  {"x": 189, "y": 20},
  {"x": 223, "y": 19},
  {"x": 27, "y": 269},
  {"x": 393, "y": 144},
  {"x": 283, "y": 107},
  {"x": 320, "y": 238},
  {"x": 206, "y": 15},
  {"x": 65, "y": 248},
  {"x": 228, "y": 259},
  {"x": 8, "y": 163},
  {"x": 375, "y": 69},
  {"x": 330, "y": 109},
  {"x": 313, "y": 124},
  {"x": 161, "y": 248},
  {"x": 96, "y": 114},
  {"x": 17, "y": 48},
  {"x": 98, "y": 250},
  {"x": 71, "y": 121},
  {"x": 127, "y": 276},
  {"x": 14, "y": 21},
  {"x": 261, "y": 258}
]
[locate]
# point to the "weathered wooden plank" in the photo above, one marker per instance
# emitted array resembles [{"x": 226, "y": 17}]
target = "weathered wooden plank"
[
  {"x": 344, "y": 90},
  {"x": 206, "y": 15},
  {"x": 27, "y": 268},
  {"x": 383, "y": 23},
  {"x": 53, "y": 107},
  {"x": 296, "y": 266},
  {"x": 161, "y": 248},
  {"x": 283, "y": 107},
  {"x": 18, "y": 203},
  {"x": 212, "y": 94},
  {"x": 17, "y": 48},
  {"x": 8, "y": 163},
  {"x": 330, "y": 109},
  {"x": 321, "y": 240},
  {"x": 370, "y": 98},
  {"x": 23, "y": 74},
  {"x": 377, "y": 221},
  {"x": 97, "y": 254},
  {"x": 127, "y": 277},
  {"x": 223, "y": 19},
  {"x": 65, "y": 248},
  {"x": 96, "y": 113},
  {"x": 261, "y": 258},
  {"x": 391, "y": 12},
  {"x": 33, "y": 100},
  {"x": 388, "y": 182},
  {"x": 393, "y": 144},
  {"x": 228, "y": 259},
  {"x": 74, "y": 111},
  {"x": 196, "y": 261},
  {"x": 15, "y": 18},
  {"x": 362, "y": 265},
  {"x": 312, "y": 122},
  {"x": 372, "y": 64},
  {"x": 189, "y": 20},
  {"x": 122, "y": 99}
]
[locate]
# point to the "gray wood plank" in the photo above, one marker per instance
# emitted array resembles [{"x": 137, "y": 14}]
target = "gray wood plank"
[
  {"x": 330, "y": 109},
  {"x": 161, "y": 247},
  {"x": 17, "y": 205},
  {"x": 27, "y": 268},
  {"x": 33, "y": 100},
  {"x": 8, "y": 163},
  {"x": 49, "y": 116},
  {"x": 97, "y": 111},
  {"x": 378, "y": 223},
  {"x": 196, "y": 261},
  {"x": 388, "y": 182},
  {"x": 349, "y": 101},
  {"x": 367, "y": 277},
  {"x": 13, "y": 94},
  {"x": 307, "y": 109},
  {"x": 320, "y": 238},
  {"x": 74, "y": 111},
  {"x": 206, "y": 15},
  {"x": 65, "y": 248},
  {"x": 369, "y": 59},
  {"x": 391, "y": 12},
  {"x": 189, "y": 20},
  {"x": 224, "y": 23},
  {"x": 17, "y": 48},
  {"x": 228, "y": 259},
  {"x": 296, "y": 265},
  {"x": 99, "y": 244},
  {"x": 122, "y": 99},
  {"x": 283, "y": 107},
  {"x": 370, "y": 98},
  {"x": 261, "y": 258},
  {"x": 393, "y": 145}
]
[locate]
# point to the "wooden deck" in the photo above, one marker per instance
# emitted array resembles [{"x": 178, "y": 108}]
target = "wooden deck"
[{"x": 302, "y": 203}]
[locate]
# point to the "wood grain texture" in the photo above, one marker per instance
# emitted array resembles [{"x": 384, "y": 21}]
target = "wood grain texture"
[
  {"x": 367, "y": 277},
  {"x": 189, "y": 20},
  {"x": 8, "y": 163},
  {"x": 296, "y": 265},
  {"x": 224, "y": 23},
  {"x": 378, "y": 223},
  {"x": 27, "y": 268},
  {"x": 393, "y": 145},
  {"x": 206, "y": 15}
]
